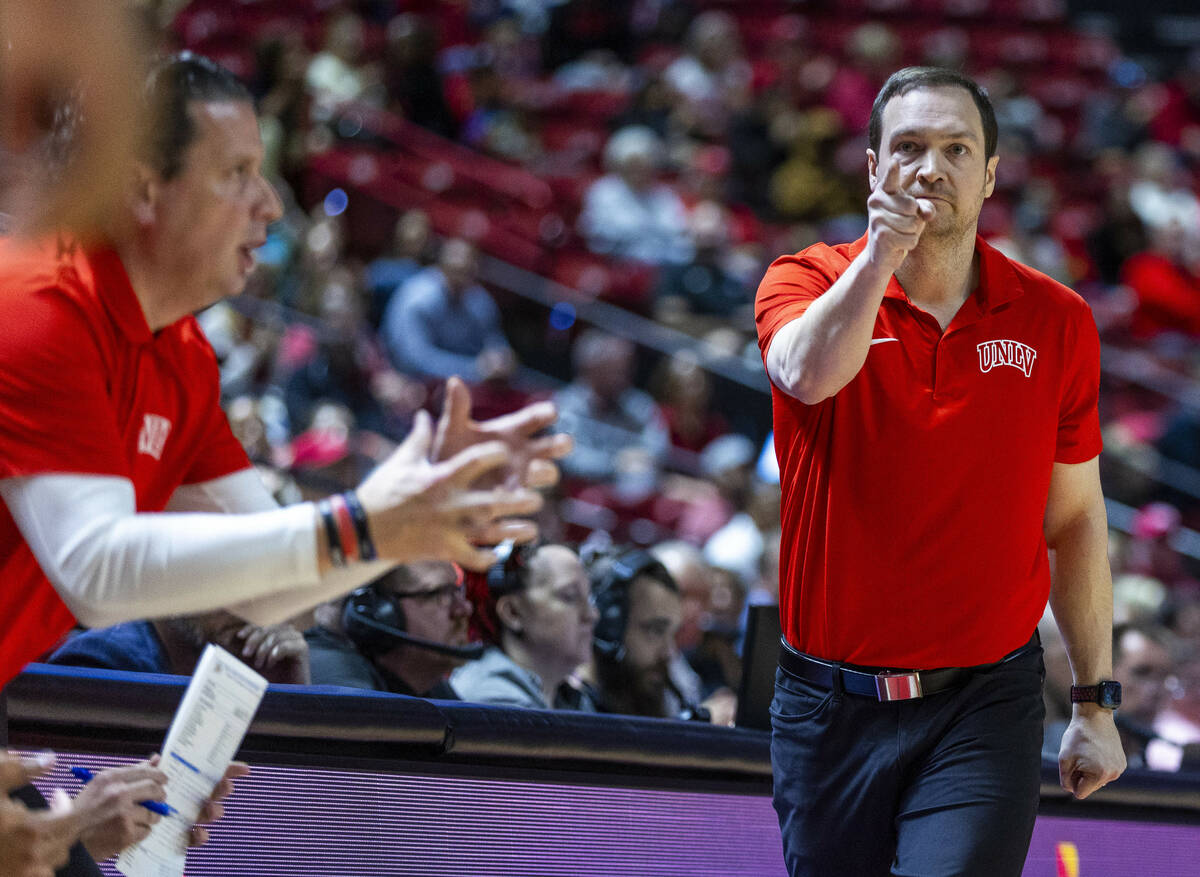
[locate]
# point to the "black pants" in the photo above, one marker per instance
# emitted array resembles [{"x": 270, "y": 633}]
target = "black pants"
[{"x": 941, "y": 785}]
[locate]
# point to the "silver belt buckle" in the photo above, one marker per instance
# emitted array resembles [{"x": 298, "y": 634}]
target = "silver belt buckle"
[{"x": 898, "y": 686}]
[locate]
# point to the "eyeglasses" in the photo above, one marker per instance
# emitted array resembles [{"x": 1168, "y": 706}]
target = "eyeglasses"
[{"x": 443, "y": 594}]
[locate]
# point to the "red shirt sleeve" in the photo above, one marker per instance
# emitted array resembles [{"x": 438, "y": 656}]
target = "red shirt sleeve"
[
  {"x": 1079, "y": 416},
  {"x": 790, "y": 285},
  {"x": 55, "y": 410}
]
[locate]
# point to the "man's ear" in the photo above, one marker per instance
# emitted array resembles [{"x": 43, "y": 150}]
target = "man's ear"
[
  {"x": 989, "y": 180},
  {"x": 145, "y": 188},
  {"x": 872, "y": 167},
  {"x": 509, "y": 614}
]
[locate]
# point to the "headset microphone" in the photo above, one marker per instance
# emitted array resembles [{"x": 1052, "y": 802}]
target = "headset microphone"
[{"x": 358, "y": 616}]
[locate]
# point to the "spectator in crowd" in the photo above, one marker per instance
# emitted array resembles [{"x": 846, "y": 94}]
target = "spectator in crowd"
[
  {"x": 627, "y": 214},
  {"x": 685, "y": 399},
  {"x": 1119, "y": 233},
  {"x": 712, "y": 77},
  {"x": 693, "y": 581},
  {"x": 1179, "y": 721},
  {"x": 1181, "y": 612},
  {"x": 174, "y": 645},
  {"x": 404, "y": 633},
  {"x": 497, "y": 125},
  {"x": 320, "y": 363},
  {"x": 1160, "y": 193},
  {"x": 347, "y": 367},
  {"x": 1029, "y": 240},
  {"x": 727, "y": 466},
  {"x": 1137, "y": 597},
  {"x": 603, "y": 411},
  {"x": 534, "y": 609},
  {"x": 704, "y": 285},
  {"x": 742, "y": 542},
  {"x": 441, "y": 322},
  {"x": 1165, "y": 280},
  {"x": 283, "y": 105},
  {"x": 872, "y": 50},
  {"x": 717, "y": 659},
  {"x": 412, "y": 250},
  {"x": 578, "y": 26},
  {"x": 248, "y": 421},
  {"x": 766, "y": 591},
  {"x": 640, "y": 611},
  {"x": 633, "y": 506},
  {"x": 336, "y": 74},
  {"x": 652, "y": 106},
  {"x": 1167, "y": 735},
  {"x": 414, "y": 86},
  {"x": 696, "y": 581},
  {"x": 243, "y": 347},
  {"x": 1180, "y": 440}
]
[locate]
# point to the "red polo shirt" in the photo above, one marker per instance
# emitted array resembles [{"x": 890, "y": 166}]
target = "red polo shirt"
[
  {"x": 914, "y": 498},
  {"x": 86, "y": 387}
]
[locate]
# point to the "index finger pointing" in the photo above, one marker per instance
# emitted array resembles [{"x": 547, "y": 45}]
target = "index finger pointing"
[{"x": 891, "y": 180}]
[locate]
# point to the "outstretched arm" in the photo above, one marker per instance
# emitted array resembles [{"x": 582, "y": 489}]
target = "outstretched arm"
[{"x": 111, "y": 564}]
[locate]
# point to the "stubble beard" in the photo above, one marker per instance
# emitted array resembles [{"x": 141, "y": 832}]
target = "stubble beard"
[{"x": 951, "y": 225}]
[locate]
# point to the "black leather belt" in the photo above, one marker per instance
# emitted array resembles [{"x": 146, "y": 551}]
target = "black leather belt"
[{"x": 885, "y": 685}]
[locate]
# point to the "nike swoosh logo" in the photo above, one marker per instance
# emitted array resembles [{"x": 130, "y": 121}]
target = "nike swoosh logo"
[{"x": 875, "y": 341}]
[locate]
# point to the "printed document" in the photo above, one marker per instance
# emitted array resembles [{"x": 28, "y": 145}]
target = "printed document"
[{"x": 207, "y": 730}]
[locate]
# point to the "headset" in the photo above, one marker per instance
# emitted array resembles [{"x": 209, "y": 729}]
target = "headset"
[
  {"x": 507, "y": 574},
  {"x": 375, "y": 623},
  {"x": 610, "y": 592}
]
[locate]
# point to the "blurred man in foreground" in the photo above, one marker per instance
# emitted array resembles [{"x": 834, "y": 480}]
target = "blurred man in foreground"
[{"x": 110, "y": 416}]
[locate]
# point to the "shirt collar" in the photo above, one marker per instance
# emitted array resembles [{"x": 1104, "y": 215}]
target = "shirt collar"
[
  {"x": 117, "y": 295},
  {"x": 998, "y": 282}
]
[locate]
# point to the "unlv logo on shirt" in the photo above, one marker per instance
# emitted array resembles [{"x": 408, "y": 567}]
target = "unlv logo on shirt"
[
  {"x": 153, "y": 436},
  {"x": 1002, "y": 351}
]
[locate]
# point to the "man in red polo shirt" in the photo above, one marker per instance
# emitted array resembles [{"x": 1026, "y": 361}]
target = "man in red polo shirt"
[
  {"x": 109, "y": 417},
  {"x": 937, "y": 432}
]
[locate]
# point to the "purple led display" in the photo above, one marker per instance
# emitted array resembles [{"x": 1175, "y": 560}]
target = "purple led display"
[
  {"x": 313, "y": 821},
  {"x": 1063, "y": 847}
]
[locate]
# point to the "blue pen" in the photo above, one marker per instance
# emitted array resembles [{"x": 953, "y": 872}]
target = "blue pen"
[{"x": 85, "y": 776}]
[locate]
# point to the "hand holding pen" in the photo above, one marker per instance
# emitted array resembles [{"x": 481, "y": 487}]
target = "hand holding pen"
[{"x": 129, "y": 801}]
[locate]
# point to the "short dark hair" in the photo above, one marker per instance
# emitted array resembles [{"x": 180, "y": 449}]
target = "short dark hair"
[
  {"x": 172, "y": 86},
  {"x": 911, "y": 78}
]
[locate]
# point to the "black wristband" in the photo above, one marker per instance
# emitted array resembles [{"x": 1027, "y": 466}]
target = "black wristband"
[
  {"x": 336, "y": 556},
  {"x": 366, "y": 547}
]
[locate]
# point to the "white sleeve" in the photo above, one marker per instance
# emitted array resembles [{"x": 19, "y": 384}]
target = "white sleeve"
[
  {"x": 110, "y": 564},
  {"x": 244, "y": 491}
]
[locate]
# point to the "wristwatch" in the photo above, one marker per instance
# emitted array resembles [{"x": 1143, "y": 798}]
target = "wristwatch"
[{"x": 1107, "y": 694}]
